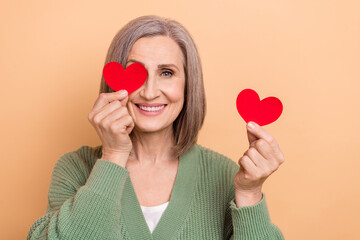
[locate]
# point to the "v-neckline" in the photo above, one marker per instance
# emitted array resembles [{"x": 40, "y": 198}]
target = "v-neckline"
[{"x": 177, "y": 209}]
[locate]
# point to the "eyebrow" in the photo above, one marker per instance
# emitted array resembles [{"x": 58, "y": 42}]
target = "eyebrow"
[{"x": 159, "y": 66}]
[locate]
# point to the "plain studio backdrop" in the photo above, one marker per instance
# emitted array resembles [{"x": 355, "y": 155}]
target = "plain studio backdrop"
[{"x": 306, "y": 53}]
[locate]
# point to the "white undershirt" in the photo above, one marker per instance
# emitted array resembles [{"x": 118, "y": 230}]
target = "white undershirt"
[{"x": 153, "y": 214}]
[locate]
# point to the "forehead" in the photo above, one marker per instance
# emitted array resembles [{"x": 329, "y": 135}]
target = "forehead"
[{"x": 157, "y": 50}]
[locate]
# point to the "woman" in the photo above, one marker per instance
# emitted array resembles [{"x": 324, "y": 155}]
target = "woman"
[{"x": 149, "y": 179}]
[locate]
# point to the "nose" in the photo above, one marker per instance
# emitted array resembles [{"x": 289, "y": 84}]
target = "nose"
[{"x": 150, "y": 88}]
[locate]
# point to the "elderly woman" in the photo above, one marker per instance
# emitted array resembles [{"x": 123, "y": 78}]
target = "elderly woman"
[{"x": 149, "y": 179}]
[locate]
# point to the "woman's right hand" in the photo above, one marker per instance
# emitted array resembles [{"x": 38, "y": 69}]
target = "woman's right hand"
[{"x": 113, "y": 124}]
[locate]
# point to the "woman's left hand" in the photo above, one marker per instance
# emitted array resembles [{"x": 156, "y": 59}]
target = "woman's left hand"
[{"x": 261, "y": 159}]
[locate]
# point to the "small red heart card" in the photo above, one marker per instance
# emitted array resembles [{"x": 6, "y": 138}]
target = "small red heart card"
[
  {"x": 130, "y": 79},
  {"x": 262, "y": 112}
]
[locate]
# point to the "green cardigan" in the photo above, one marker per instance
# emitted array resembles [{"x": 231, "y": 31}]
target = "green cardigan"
[{"x": 92, "y": 198}]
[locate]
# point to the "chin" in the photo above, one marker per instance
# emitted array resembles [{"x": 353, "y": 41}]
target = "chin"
[{"x": 148, "y": 128}]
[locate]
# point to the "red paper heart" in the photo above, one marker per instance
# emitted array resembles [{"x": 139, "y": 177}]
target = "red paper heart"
[
  {"x": 262, "y": 112},
  {"x": 130, "y": 79}
]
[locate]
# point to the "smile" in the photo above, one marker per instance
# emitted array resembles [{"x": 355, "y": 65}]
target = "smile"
[{"x": 151, "y": 109}]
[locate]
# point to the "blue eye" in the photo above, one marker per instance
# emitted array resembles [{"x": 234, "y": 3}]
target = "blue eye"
[{"x": 167, "y": 73}]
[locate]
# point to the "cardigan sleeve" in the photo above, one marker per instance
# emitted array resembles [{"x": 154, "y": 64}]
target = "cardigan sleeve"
[
  {"x": 253, "y": 222},
  {"x": 82, "y": 211},
  {"x": 249, "y": 222}
]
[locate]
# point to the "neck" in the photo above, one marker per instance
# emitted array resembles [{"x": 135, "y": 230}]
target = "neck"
[{"x": 152, "y": 148}]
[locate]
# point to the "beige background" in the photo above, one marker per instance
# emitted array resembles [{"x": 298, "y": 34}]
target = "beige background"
[{"x": 306, "y": 53}]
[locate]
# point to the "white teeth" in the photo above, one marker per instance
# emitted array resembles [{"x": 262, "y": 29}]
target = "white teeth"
[{"x": 151, "y": 109}]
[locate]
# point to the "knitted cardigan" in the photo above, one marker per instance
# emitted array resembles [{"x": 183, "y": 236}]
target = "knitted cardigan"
[{"x": 92, "y": 198}]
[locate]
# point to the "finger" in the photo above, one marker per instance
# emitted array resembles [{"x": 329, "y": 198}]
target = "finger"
[
  {"x": 248, "y": 166},
  {"x": 114, "y": 116},
  {"x": 126, "y": 123},
  {"x": 259, "y": 132},
  {"x": 256, "y": 157},
  {"x": 262, "y": 134},
  {"x": 105, "y": 111},
  {"x": 264, "y": 148},
  {"x": 129, "y": 122},
  {"x": 106, "y": 98},
  {"x": 266, "y": 167}
]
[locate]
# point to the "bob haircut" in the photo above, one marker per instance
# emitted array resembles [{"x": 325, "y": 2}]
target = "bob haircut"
[{"x": 187, "y": 125}]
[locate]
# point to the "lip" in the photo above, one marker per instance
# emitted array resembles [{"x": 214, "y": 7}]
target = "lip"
[{"x": 146, "y": 113}]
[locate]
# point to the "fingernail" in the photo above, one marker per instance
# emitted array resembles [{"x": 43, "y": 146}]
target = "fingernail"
[
  {"x": 122, "y": 92},
  {"x": 251, "y": 125}
]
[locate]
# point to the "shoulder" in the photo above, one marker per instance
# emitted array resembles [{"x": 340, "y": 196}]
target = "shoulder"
[
  {"x": 82, "y": 159},
  {"x": 88, "y": 154},
  {"x": 220, "y": 161},
  {"x": 70, "y": 173}
]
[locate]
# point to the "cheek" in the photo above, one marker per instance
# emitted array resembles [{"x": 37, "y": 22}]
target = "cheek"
[
  {"x": 175, "y": 96},
  {"x": 175, "y": 92}
]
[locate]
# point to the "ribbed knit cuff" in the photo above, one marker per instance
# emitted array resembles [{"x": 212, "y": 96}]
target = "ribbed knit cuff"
[
  {"x": 107, "y": 179},
  {"x": 250, "y": 221}
]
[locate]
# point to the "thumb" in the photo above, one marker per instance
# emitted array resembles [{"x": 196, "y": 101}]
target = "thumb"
[
  {"x": 251, "y": 137},
  {"x": 124, "y": 99}
]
